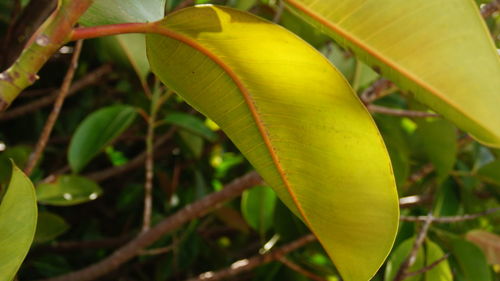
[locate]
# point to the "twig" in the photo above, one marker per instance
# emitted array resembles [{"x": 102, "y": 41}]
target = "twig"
[
  {"x": 251, "y": 263},
  {"x": 420, "y": 174},
  {"x": 51, "y": 120},
  {"x": 53, "y": 33},
  {"x": 22, "y": 27},
  {"x": 450, "y": 219},
  {"x": 376, "y": 90},
  {"x": 157, "y": 251},
  {"x": 490, "y": 8},
  {"x": 428, "y": 267},
  {"x": 295, "y": 267},
  {"x": 188, "y": 213},
  {"x": 279, "y": 11},
  {"x": 149, "y": 165},
  {"x": 132, "y": 164},
  {"x": 82, "y": 245},
  {"x": 412, "y": 257},
  {"x": 87, "y": 80},
  {"x": 399, "y": 112}
]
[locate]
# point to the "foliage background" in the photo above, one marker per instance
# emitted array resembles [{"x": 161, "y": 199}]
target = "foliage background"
[{"x": 438, "y": 167}]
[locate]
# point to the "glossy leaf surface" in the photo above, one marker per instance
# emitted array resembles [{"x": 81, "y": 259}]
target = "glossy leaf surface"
[
  {"x": 440, "y": 272},
  {"x": 447, "y": 60},
  {"x": 399, "y": 256},
  {"x": 257, "y": 206},
  {"x": 471, "y": 260},
  {"x": 192, "y": 124},
  {"x": 296, "y": 120},
  {"x": 68, "y": 190},
  {"x": 49, "y": 227},
  {"x": 118, "y": 11},
  {"x": 18, "y": 216},
  {"x": 96, "y": 131}
]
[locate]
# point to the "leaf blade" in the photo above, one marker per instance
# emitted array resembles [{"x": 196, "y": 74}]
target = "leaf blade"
[
  {"x": 18, "y": 217},
  {"x": 413, "y": 45},
  {"x": 236, "y": 62}
]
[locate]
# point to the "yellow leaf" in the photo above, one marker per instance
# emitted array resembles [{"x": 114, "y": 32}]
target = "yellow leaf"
[{"x": 295, "y": 118}]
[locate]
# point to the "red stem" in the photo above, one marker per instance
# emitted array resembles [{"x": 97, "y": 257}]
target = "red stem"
[{"x": 112, "y": 29}]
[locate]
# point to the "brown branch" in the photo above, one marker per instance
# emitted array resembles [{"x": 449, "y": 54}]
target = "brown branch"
[
  {"x": 51, "y": 120},
  {"x": 399, "y": 112},
  {"x": 21, "y": 29},
  {"x": 188, "y": 213},
  {"x": 87, "y": 80},
  {"x": 450, "y": 219},
  {"x": 412, "y": 257},
  {"x": 428, "y": 267},
  {"x": 295, "y": 267},
  {"x": 420, "y": 174},
  {"x": 137, "y": 162},
  {"x": 255, "y": 261},
  {"x": 376, "y": 90},
  {"x": 490, "y": 8},
  {"x": 54, "y": 32},
  {"x": 279, "y": 11}
]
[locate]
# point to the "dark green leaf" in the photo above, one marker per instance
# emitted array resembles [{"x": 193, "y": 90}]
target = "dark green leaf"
[
  {"x": 68, "y": 190},
  {"x": 49, "y": 227},
  {"x": 18, "y": 216},
  {"x": 96, "y": 131},
  {"x": 257, "y": 206},
  {"x": 471, "y": 260},
  {"x": 191, "y": 123}
]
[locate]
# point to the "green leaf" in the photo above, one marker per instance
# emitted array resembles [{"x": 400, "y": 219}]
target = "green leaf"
[
  {"x": 295, "y": 118},
  {"x": 412, "y": 44},
  {"x": 399, "y": 256},
  {"x": 436, "y": 139},
  {"x": 440, "y": 272},
  {"x": 96, "y": 132},
  {"x": 192, "y": 124},
  {"x": 49, "y": 227},
  {"x": 471, "y": 260},
  {"x": 128, "y": 50},
  {"x": 68, "y": 190},
  {"x": 257, "y": 206},
  {"x": 18, "y": 216},
  {"x": 19, "y": 154},
  {"x": 490, "y": 172},
  {"x": 119, "y": 11},
  {"x": 488, "y": 242}
]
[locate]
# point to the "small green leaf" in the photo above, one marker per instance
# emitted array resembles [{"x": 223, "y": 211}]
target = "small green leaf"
[
  {"x": 68, "y": 190},
  {"x": 471, "y": 260},
  {"x": 490, "y": 172},
  {"x": 96, "y": 131},
  {"x": 18, "y": 216},
  {"x": 194, "y": 143},
  {"x": 440, "y": 272},
  {"x": 19, "y": 154},
  {"x": 191, "y": 123},
  {"x": 257, "y": 206},
  {"x": 436, "y": 139},
  {"x": 399, "y": 256},
  {"x": 49, "y": 227}
]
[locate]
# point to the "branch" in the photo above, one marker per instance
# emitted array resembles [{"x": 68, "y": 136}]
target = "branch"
[
  {"x": 87, "y": 80},
  {"x": 376, "y": 90},
  {"x": 255, "y": 261},
  {"x": 488, "y": 9},
  {"x": 138, "y": 161},
  {"x": 23, "y": 27},
  {"x": 429, "y": 267},
  {"x": 53, "y": 34},
  {"x": 145, "y": 239},
  {"x": 51, "y": 120},
  {"x": 295, "y": 267},
  {"x": 410, "y": 260},
  {"x": 400, "y": 112},
  {"x": 451, "y": 219}
]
